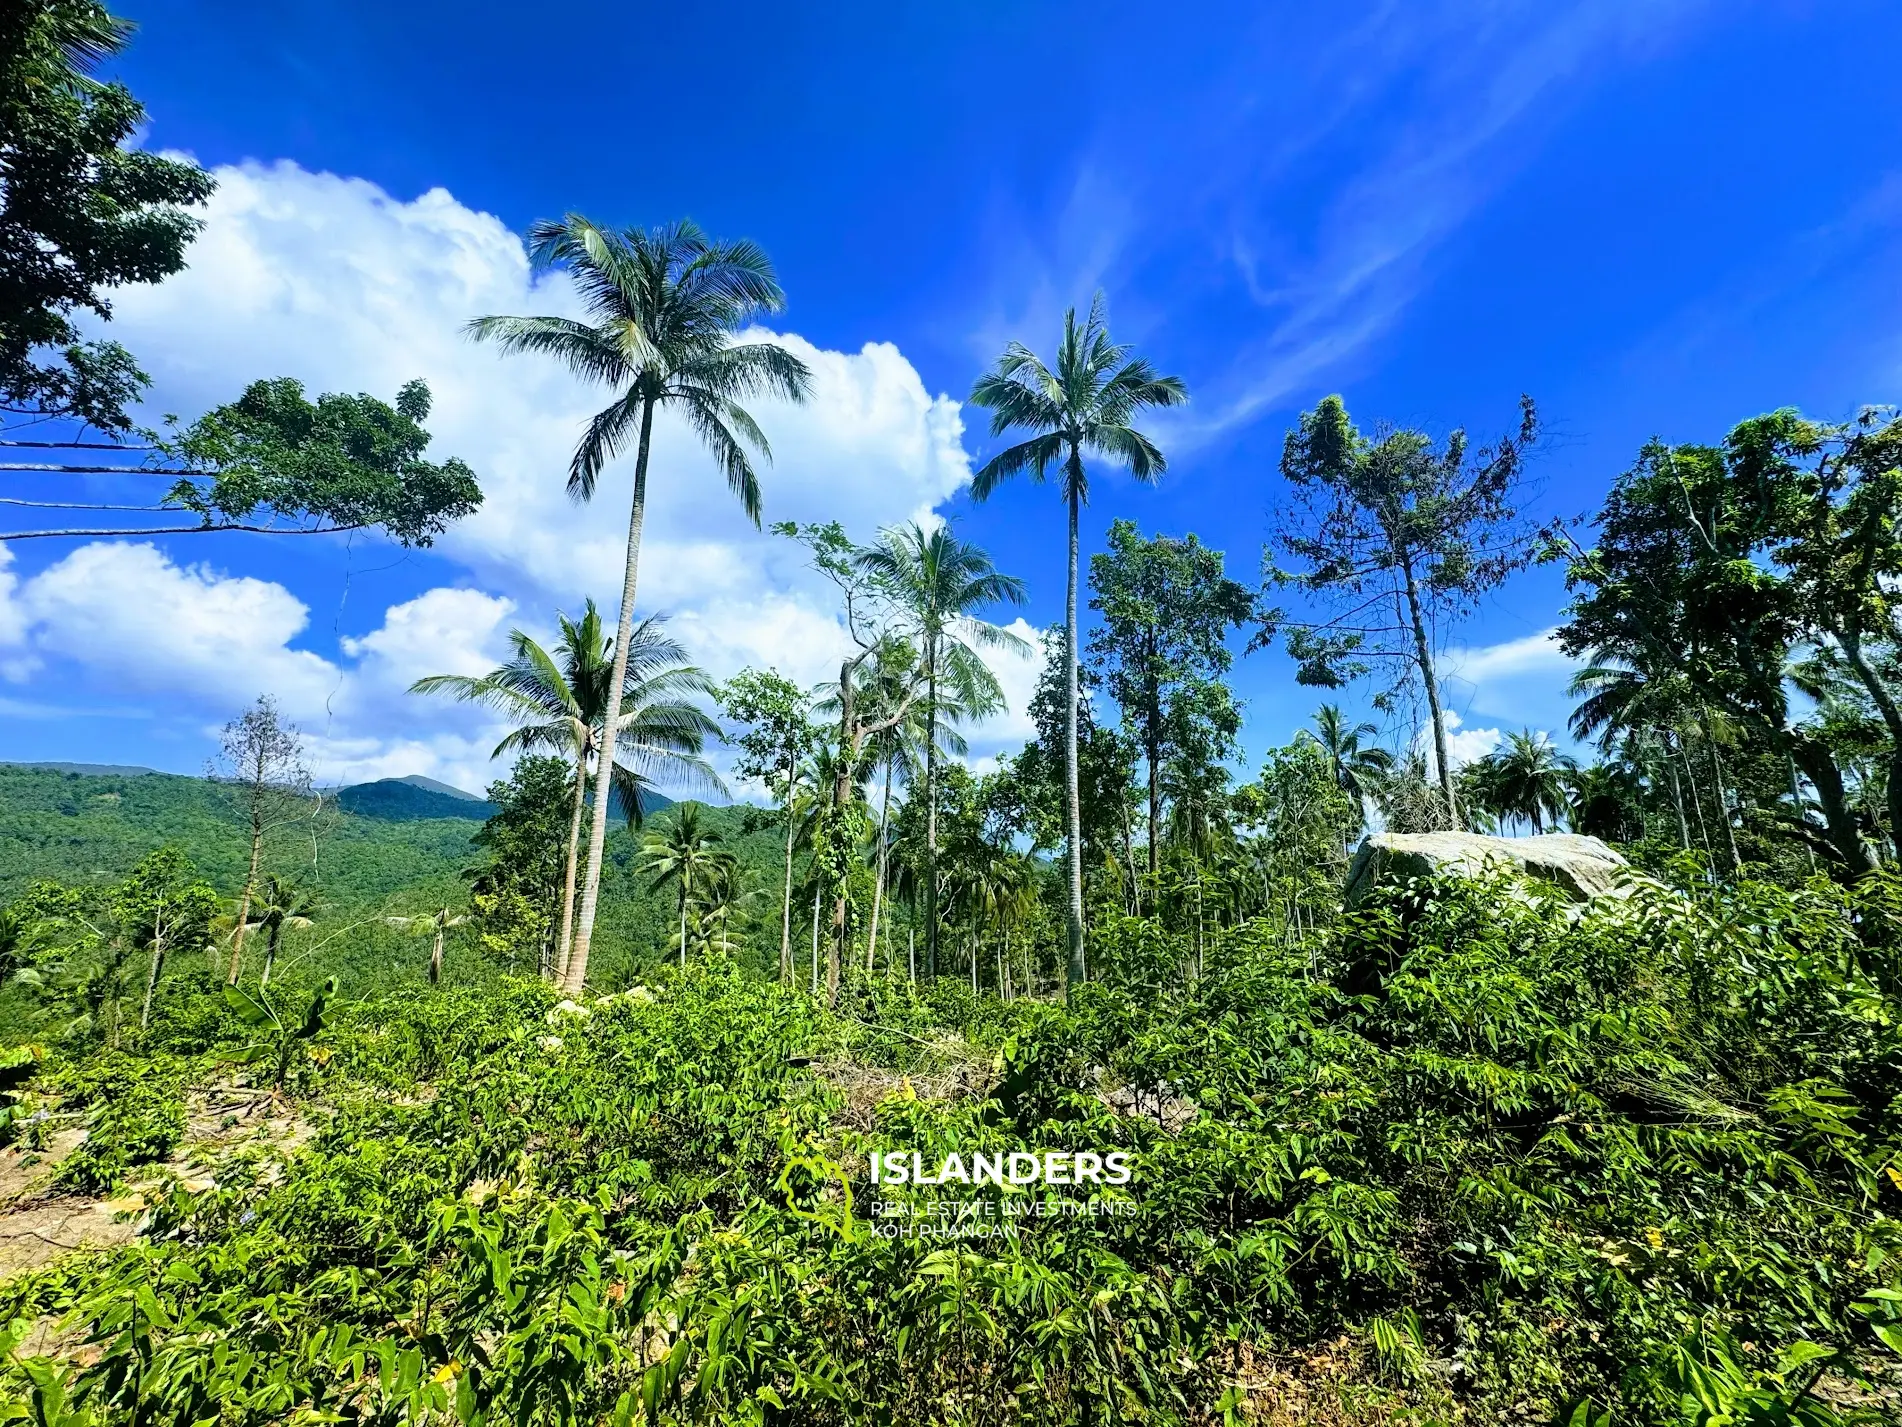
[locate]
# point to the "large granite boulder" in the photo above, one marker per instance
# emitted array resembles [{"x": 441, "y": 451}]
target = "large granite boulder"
[{"x": 1582, "y": 867}]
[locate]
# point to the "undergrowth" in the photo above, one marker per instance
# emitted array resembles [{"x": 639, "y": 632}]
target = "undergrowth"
[{"x": 1634, "y": 1166}]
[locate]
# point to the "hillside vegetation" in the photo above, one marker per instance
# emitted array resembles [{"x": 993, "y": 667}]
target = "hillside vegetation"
[{"x": 1469, "y": 1157}]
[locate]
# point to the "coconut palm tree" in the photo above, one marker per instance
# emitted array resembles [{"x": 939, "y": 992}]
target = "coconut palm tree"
[
  {"x": 688, "y": 849},
  {"x": 1357, "y": 768},
  {"x": 1084, "y": 403},
  {"x": 435, "y": 925},
  {"x": 1527, "y": 780},
  {"x": 280, "y": 902},
  {"x": 667, "y": 304},
  {"x": 938, "y": 580},
  {"x": 559, "y": 701}
]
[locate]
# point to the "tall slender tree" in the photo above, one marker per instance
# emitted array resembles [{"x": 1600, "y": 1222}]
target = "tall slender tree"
[
  {"x": 1398, "y": 534},
  {"x": 559, "y": 701},
  {"x": 938, "y": 580},
  {"x": 261, "y": 759},
  {"x": 687, "y": 850},
  {"x": 1084, "y": 402},
  {"x": 667, "y": 305},
  {"x": 775, "y": 715}
]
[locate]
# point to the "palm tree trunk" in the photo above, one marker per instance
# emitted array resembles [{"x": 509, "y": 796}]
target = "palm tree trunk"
[
  {"x": 878, "y": 884},
  {"x": 152, "y": 972},
  {"x": 1075, "y": 969},
  {"x": 568, "y": 874},
  {"x": 931, "y": 808},
  {"x": 576, "y": 976},
  {"x": 785, "y": 904},
  {"x": 435, "y": 958},
  {"x": 1677, "y": 798},
  {"x": 244, "y": 900},
  {"x": 1723, "y": 800},
  {"x": 686, "y": 891},
  {"x": 270, "y": 951},
  {"x": 815, "y": 941},
  {"x": 1423, "y": 653},
  {"x": 1884, "y": 700},
  {"x": 1697, "y": 803},
  {"x": 912, "y": 958}
]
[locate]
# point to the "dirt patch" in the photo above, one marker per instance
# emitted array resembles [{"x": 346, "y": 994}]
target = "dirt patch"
[{"x": 227, "y": 1129}]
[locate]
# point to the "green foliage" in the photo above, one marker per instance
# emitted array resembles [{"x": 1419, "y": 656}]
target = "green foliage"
[
  {"x": 1632, "y": 1165},
  {"x": 280, "y": 462},
  {"x": 82, "y": 210}
]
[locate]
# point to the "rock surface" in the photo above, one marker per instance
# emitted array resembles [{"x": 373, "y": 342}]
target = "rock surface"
[{"x": 1581, "y": 867}]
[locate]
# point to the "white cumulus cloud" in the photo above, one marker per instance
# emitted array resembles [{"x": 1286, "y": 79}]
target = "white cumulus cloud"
[{"x": 333, "y": 281}]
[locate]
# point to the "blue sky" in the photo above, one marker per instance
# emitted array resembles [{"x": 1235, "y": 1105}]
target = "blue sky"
[{"x": 1654, "y": 217}]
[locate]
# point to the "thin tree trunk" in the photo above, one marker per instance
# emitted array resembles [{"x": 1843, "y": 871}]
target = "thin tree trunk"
[
  {"x": 152, "y": 972},
  {"x": 244, "y": 900},
  {"x": 785, "y": 904},
  {"x": 270, "y": 952},
  {"x": 686, "y": 891},
  {"x": 1076, "y": 971},
  {"x": 1697, "y": 804},
  {"x": 577, "y": 974},
  {"x": 931, "y": 808},
  {"x": 1153, "y": 752},
  {"x": 878, "y": 885},
  {"x": 911, "y": 961},
  {"x": 1891, "y": 716},
  {"x": 815, "y": 941},
  {"x": 1796, "y": 800},
  {"x": 1677, "y": 798},
  {"x": 568, "y": 874},
  {"x": 1423, "y": 652},
  {"x": 1723, "y": 800},
  {"x": 435, "y": 958}
]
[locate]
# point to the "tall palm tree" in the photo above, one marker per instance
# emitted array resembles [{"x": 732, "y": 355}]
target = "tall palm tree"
[
  {"x": 559, "y": 701},
  {"x": 687, "y": 849},
  {"x": 667, "y": 304},
  {"x": 1357, "y": 769},
  {"x": 1085, "y": 403},
  {"x": 1527, "y": 779},
  {"x": 938, "y": 580}
]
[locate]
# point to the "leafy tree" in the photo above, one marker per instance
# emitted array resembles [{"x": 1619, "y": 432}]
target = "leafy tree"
[
  {"x": 1719, "y": 566},
  {"x": 775, "y": 716},
  {"x": 1399, "y": 535},
  {"x": 937, "y": 580},
  {"x": 275, "y": 463},
  {"x": 162, "y": 906},
  {"x": 667, "y": 305},
  {"x": 528, "y": 879},
  {"x": 1086, "y": 402},
  {"x": 1167, "y": 607},
  {"x": 81, "y": 211},
  {"x": 261, "y": 760},
  {"x": 560, "y": 701},
  {"x": 880, "y": 682}
]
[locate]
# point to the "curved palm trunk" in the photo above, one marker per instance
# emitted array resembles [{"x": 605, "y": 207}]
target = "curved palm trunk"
[
  {"x": 270, "y": 952},
  {"x": 785, "y": 903},
  {"x": 435, "y": 958},
  {"x": 1075, "y": 970},
  {"x": 931, "y": 810},
  {"x": 560, "y": 968},
  {"x": 576, "y": 975}
]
